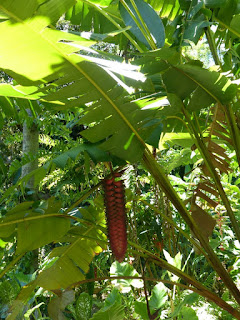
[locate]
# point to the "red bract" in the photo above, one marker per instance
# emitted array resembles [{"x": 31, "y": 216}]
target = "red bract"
[{"x": 116, "y": 215}]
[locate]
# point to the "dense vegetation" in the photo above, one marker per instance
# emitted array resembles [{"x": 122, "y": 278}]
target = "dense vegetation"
[{"x": 145, "y": 88}]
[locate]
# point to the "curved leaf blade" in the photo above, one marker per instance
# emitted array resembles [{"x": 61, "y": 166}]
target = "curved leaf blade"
[{"x": 151, "y": 19}]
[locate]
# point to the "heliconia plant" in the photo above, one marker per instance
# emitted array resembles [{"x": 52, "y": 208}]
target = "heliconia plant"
[{"x": 114, "y": 199}]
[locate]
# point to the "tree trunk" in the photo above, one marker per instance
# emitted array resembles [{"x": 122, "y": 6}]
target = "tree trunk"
[{"x": 30, "y": 147}]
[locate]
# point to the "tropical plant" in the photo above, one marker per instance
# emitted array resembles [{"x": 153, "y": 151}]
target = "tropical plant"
[{"x": 120, "y": 71}]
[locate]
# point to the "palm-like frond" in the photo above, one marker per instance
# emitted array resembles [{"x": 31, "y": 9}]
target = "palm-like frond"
[{"x": 71, "y": 79}]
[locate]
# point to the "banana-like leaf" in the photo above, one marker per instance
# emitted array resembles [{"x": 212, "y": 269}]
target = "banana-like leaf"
[
  {"x": 73, "y": 80},
  {"x": 34, "y": 227},
  {"x": 202, "y": 86},
  {"x": 20, "y": 92},
  {"x": 190, "y": 80},
  {"x": 72, "y": 259},
  {"x": 20, "y": 302},
  {"x": 67, "y": 264},
  {"x": 89, "y": 18}
]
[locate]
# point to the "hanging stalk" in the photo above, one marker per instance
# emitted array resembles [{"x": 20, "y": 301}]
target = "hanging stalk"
[
  {"x": 159, "y": 175},
  {"x": 205, "y": 154}
]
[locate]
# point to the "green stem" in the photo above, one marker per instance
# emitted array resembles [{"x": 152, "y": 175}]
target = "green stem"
[
  {"x": 212, "y": 46},
  {"x": 234, "y": 130}
]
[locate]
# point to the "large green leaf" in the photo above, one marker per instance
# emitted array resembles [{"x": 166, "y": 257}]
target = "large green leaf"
[
  {"x": 201, "y": 86},
  {"x": 69, "y": 263},
  {"x": 73, "y": 81},
  {"x": 20, "y": 92},
  {"x": 25, "y": 32},
  {"x": 35, "y": 226},
  {"x": 141, "y": 309},
  {"x": 115, "y": 312},
  {"x": 188, "y": 314},
  {"x": 124, "y": 269},
  {"x": 33, "y": 234},
  {"x": 188, "y": 300},
  {"x": 195, "y": 28},
  {"x": 166, "y": 8},
  {"x": 158, "y": 296},
  {"x": 20, "y": 302}
]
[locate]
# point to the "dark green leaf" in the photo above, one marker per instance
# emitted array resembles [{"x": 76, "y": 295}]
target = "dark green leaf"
[
  {"x": 151, "y": 19},
  {"x": 205, "y": 86},
  {"x": 113, "y": 308},
  {"x": 215, "y": 3},
  {"x": 195, "y": 29}
]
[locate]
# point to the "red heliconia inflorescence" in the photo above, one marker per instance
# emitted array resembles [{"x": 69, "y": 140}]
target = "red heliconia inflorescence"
[{"x": 116, "y": 215}]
